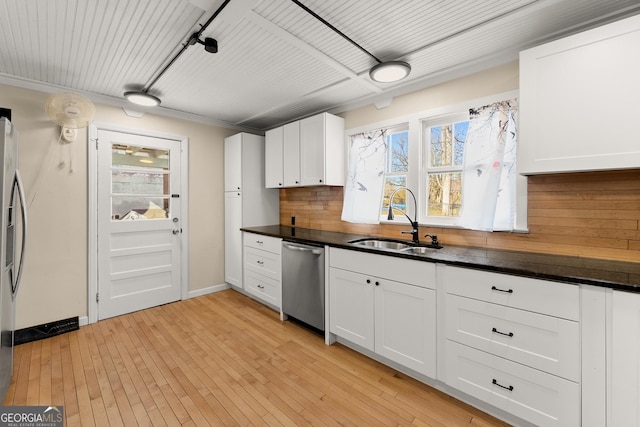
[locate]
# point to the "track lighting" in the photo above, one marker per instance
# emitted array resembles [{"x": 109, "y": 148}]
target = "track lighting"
[
  {"x": 382, "y": 72},
  {"x": 210, "y": 45},
  {"x": 142, "y": 97}
]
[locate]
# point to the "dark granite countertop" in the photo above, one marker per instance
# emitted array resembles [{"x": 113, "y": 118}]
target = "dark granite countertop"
[{"x": 612, "y": 274}]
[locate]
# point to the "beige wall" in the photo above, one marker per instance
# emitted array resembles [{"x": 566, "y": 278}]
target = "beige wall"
[
  {"x": 486, "y": 83},
  {"x": 54, "y": 284}
]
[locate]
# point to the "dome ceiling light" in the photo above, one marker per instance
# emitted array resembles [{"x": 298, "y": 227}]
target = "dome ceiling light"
[
  {"x": 142, "y": 96},
  {"x": 389, "y": 72},
  {"x": 382, "y": 72}
]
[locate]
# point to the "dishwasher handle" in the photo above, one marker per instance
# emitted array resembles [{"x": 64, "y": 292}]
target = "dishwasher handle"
[{"x": 303, "y": 249}]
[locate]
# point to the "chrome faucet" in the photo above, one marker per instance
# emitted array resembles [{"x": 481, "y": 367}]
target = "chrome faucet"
[{"x": 415, "y": 233}]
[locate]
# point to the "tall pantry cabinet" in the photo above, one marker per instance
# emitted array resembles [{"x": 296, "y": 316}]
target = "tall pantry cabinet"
[{"x": 247, "y": 203}]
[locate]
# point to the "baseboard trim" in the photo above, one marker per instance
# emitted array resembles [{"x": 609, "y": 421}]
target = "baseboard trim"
[{"x": 209, "y": 290}]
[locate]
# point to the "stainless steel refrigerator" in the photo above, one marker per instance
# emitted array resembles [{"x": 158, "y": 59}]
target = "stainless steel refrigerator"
[{"x": 13, "y": 227}]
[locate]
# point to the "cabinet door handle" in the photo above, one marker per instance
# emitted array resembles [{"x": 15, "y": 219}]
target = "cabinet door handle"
[
  {"x": 510, "y": 334},
  {"x": 377, "y": 283},
  {"x": 368, "y": 280},
  {"x": 507, "y": 291},
  {"x": 495, "y": 381},
  {"x": 320, "y": 180}
]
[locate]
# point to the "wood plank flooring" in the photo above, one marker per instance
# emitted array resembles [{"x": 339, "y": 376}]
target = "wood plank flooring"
[{"x": 220, "y": 359}]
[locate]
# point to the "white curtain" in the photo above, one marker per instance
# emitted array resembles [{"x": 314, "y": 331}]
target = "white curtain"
[
  {"x": 365, "y": 178},
  {"x": 489, "y": 173}
]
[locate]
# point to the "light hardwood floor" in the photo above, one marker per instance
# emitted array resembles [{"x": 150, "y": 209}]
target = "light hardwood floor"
[{"x": 220, "y": 359}]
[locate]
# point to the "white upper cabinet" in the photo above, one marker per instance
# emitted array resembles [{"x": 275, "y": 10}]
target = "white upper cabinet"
[
  {"x": 579, "y": 101},
  {"x": 274, "y": 177},
  {"x": 307, "y": 152},
  {"x": 232, "y": 163},
  {"x": 291, "y": 154}
]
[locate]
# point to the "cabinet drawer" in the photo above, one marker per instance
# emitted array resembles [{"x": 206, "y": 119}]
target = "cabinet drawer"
[
  {"x": 266, "y": 243},
  {"x": 263, "y": 262},
  {"x": 543, "y": 342},
  {"x": 418, "y": 273},
  {"x": 535, "y": 396},
  {"x": 263, "y": 287},
  {"x": 540, "y": 296}
]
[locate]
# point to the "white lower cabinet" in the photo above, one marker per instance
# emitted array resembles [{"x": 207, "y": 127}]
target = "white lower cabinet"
[
  {"x": 533, "y": 395},
  {"x": 514, "y": 343},
  {"x": 351, "y": 311},
  {"x": 262, "y": 268},
  {"x": 535, "y": 349},
  {"x": 394, "y": 319},
  {"x": 405, "y": 319},
  {"x": 624, "y": 367},
  {"x": 549, "y": 343}
]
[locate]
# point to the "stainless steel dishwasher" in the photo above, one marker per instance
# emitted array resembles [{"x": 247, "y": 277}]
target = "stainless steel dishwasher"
[{"x": 303, "y": 283}]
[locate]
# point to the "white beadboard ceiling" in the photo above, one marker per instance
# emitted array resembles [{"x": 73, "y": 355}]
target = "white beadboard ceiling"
[{"x": 276, "y": 62}]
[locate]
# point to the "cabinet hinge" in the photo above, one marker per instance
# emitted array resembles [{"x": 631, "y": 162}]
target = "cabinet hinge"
[
  {"x": 97, "y": 297},
  {"x": 97, "y": 143}
]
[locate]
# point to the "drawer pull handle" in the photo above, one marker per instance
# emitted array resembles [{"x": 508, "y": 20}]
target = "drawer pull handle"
[
  {"x": 260, "y": 262},
  {"x": 508, "y": 291},
  {"x": 260, "y": 242},
  {"x": 510, "y": 334},
  {"x": 260, "y": 287},
  {"x": 495, "y": 381}
]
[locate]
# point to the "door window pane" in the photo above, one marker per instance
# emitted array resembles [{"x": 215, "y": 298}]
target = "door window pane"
[
  {"x": 136, "y": 207},
  {"x": 140, "y": 179}
]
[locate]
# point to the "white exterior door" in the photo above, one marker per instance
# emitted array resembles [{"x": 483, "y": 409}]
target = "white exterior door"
[{"x": 139, "y": 222}]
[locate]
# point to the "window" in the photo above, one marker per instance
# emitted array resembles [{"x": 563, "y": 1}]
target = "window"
[
  {"x": 442, "y": 159},
  {"x": 396, "y": 169},
  {"x": 459, "y": 161}
]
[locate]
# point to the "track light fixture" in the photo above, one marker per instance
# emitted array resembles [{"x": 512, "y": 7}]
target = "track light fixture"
[
  {"x": 382, "y": 72},
  {"x": 143, "y": 97},
  {"x": 210, "y": 45}
]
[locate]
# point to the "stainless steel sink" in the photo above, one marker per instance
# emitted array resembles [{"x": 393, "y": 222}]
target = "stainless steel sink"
[
  {"x": 395, "y": 245},
  {"x": 381, "y": 244},
  {"x": 419, "y": 250}
]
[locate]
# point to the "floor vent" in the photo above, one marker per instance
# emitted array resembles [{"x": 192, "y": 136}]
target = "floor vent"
[{"x": 46, "y": 330}]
